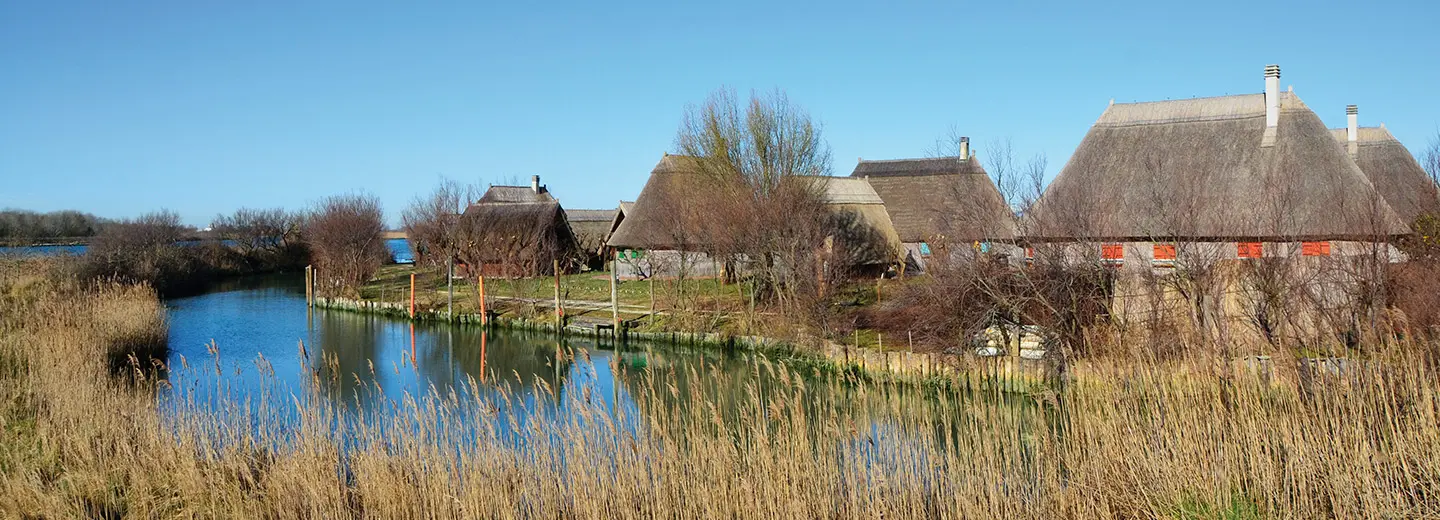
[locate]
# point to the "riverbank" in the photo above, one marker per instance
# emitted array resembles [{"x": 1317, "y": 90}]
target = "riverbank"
[{"x": 1144, "y": 440}]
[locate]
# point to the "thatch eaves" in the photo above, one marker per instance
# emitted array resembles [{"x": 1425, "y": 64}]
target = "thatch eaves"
[
  {"x": 662, "y": 216},
  {"x": 1394, "y": 171},
  {"x": 1199, "y": 169},
  {"x": 938, "y": 199}
]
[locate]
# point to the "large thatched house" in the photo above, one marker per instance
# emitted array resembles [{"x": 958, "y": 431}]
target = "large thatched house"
[
  {"x": 941, "y": 202},
  {"x": 1401, "y": 180},
  {"x": 517, "y": 231},
  {"x": 1252, "y": 175},
  {"x": 670, "y": 226}
]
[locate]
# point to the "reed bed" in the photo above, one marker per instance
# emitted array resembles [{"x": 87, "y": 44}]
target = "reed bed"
[{"x": 1199, "y": 439}]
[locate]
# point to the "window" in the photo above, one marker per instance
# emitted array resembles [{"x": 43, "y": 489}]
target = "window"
[
  {"x": 1029, "y": 256},
  {"x": 924, "y": 249},
  {"x": 1112, "y": 254},
  {"x": 1315, "y": 248},
  {"x": 1249, "y": 250},
  {"x": 1164, "y": 255}
]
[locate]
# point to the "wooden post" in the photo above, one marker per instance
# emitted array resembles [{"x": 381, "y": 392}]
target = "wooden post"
[
  {"x": 559, "y": 314},
  {"x": 309, "y": 286},
  {"x": 614, "y": 294},
  {"x": 480, "y": 275},
  {"x": 412, "y": 295},
  {"x": 450, "y": 289}
]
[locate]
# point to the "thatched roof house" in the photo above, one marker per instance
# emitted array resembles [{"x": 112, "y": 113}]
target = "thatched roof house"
[
  {"x": 671, "y": 214},
  {"x": 662, "y": 218},
  {"x": 858, "y": 219},
  {"x": 1390, "y": 167},
  {"x": 940, "y": 199},
  {"x": 504, "y": 233},
  {"x": 1257, "y": 167},
  {"x": 591, "y": 227}
]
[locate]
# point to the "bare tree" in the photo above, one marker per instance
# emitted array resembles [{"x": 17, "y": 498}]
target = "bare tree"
[
  {"x": 259, "y": 234},
  {"x": 432, "y": 223},
  {"x": 346, "y": 236},
  {"x": 749, "y": 158},
  {"x": 1430, "y": 158}
]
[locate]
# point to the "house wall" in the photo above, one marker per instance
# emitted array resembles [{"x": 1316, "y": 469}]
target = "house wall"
[{"x": 667, "y": 264}]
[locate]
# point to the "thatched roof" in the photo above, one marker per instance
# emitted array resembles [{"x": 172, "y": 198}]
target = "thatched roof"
[
  {"x": 940, "y": 198},
  {"x": 1393, "y": 171},
  {"x": 657, "y": 221},
  {"x": 668, "y": 214},
  {"x": 860, "y": 216},
  {"x": 1205, "y": 169},
  {"x": 529, "y": 234},
  {"x": 517, "y": 194},
  {"x": 591, "y": 226}
]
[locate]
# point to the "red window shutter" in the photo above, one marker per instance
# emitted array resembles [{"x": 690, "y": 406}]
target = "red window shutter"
[
  {"x": 1315, "y": 248},
  {"x": 1112, "y": 254},
  {"x": 1164, "y": 251},
  {"x": 1249, "y": 250}
]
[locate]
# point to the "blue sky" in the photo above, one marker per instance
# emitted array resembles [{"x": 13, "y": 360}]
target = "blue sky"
[{"x": 201, "y": 107}]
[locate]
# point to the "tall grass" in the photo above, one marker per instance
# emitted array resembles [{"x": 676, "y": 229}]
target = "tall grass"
[{"x": 1204, "y": 438}]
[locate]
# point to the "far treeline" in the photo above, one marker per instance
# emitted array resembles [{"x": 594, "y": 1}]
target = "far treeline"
[
  {"x": 22, "y": 227},
  {"x": 342, "y": 235}
]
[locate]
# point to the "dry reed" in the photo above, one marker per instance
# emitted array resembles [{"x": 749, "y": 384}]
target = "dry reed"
[{"x": 1195, "y": 439}]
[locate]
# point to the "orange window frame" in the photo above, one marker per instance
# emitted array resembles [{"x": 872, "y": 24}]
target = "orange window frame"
[
  {"x": 1165, "y": 252},
  {"x": 1315, "y": 248},
  {"x": 1112, "y": 252},
  {"x": 1250, "y": 249}
]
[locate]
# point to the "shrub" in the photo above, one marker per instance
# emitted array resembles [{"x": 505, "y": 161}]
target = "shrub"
[{"x": 346, "y": 234}]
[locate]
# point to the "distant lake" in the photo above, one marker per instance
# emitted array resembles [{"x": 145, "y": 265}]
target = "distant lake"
[{"x": 399, "y": 250}]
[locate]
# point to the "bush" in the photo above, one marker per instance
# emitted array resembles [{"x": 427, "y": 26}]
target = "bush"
[
  {"x": 346, "y": 234},
  {"x": 147, "y": 250}
]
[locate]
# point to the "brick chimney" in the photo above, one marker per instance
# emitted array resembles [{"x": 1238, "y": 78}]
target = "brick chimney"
[
  {"x": 1272, "y": 96},
  {"x": 1352, "y": 129}
]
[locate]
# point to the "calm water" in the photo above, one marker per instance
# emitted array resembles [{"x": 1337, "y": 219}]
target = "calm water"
[
  {"x": 244, "y": 340},
  {"x": 399, "y": 249}
]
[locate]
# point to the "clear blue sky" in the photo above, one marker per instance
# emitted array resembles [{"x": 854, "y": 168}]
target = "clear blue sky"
[{"x": 201, "y": 107}]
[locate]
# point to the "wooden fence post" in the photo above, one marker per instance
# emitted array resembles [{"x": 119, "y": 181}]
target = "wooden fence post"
[
  {"x": 614, "y": 294},
  {"x": 559, "y": 314},
  {"x": 484, "y": 316}
]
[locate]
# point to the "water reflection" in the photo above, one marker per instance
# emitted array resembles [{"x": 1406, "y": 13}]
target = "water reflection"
[{"x": 254, "y": 342}]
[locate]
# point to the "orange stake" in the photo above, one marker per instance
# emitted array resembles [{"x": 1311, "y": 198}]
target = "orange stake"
[
  {"x": 482, "y": 356},
  {"x": 484, "y": 317},
  {"x": 412, "y": 346},
  {"x": 412, "y": 295}
]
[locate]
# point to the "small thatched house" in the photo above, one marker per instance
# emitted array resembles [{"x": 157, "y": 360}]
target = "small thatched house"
[
  {"x": 592, "y": 229},
  {"x": 1401, "y": 180},
  {"x": 1253, "y": 175},
  {"x": 669, "y": 227},
  {"x": 517, "y": 231},
  {"x": 859, "y": 224},
  {"x": 941, "y": 201}
]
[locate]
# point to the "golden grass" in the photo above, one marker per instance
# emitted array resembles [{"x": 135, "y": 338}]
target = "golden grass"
[{"x": 1195, "y": 439}]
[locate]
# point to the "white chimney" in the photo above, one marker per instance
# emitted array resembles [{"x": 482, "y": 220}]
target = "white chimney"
[
  {"x": 964, "y": 147},
  {"x": 535, "y": 183},
  {"x": 1272, "y": 96},
  {"x": 1352, "y": 122}
]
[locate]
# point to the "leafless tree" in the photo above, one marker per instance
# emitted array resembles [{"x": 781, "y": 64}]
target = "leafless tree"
[
  {"x": 1430, "y": 158},
  {"x": 750, "y": 157},
  {"x": 432, "y": 223},
  {"x": 257, "y": 231},
  {"x": 346, "y": 236}
]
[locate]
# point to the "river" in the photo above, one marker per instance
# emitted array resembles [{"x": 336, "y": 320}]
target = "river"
[{"x": 399, "y": 250}]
